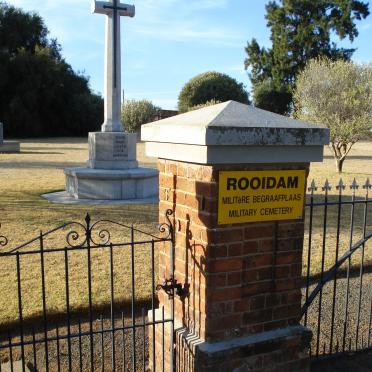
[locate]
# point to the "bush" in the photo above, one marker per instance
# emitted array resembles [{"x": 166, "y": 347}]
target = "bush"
[
  {"x": 267, "y": 97},
  {"x": 210, "y": 86},
  {"x": 206, "y": 104},
  {"x": 339, "y": 95},
  {"x": 135, "y": 113}
]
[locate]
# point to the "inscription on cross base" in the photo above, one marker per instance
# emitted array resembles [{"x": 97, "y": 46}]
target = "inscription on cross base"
[
  {"x": 112, "y": 89},
  {"x": 120, "y": 149}
]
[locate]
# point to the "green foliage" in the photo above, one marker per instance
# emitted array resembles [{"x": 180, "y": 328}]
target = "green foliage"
[
  {"x": 210, "y": 86},
  {"x": 267, "y": 97},
  {"x": 339, "y": 95},
  {"x": 300, "y": 30},
  {"x": 206, "y": 104},
  {"x": 135, "y": 113},
  {"x": 41, "y": 94}
]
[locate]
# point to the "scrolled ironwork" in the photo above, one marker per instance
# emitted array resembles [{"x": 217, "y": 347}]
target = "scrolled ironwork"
[
  {"x": 3, "y": 239},
  {"x": 81, "y": 235},
  {"x": 103, "y": 235},
  {"x": 167, "y": 227},
  {"x": 76, "y": 236}
]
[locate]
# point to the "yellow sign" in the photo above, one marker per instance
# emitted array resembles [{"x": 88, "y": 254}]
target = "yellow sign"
[{"x": 250, "y": 196}]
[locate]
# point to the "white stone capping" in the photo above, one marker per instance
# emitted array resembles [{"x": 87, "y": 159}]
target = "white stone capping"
[{"x": 234, "y": 133}]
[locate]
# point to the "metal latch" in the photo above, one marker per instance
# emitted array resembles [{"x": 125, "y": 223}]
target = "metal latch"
[{"x": 169, "y": 285}]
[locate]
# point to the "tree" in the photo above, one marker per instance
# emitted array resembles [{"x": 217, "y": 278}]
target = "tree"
[
  {"x": 300, "y": 31},
  {"x": 41, "y": 94},
  {"x": 267, "y": 97},
  {"x": 210, "y": 86},
  {"x": 339, "y": 95},
  {"x": 135, "y": 113}
]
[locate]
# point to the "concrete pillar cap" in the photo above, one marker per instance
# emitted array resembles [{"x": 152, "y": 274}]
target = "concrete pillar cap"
[{"x": 232, "y": 132}]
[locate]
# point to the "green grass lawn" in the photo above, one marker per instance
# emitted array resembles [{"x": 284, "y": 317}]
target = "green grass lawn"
[{"x": 38, "y": 169}]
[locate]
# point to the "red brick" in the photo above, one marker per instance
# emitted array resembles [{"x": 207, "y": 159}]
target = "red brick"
[
  {"x": 204, "y": 219},
  {"x": 292, "y": 297},
  {"x": 249, "y": 276},
  {"x": 217, "y": 251},
  {"x": 257, "y": 302},
  {"x": 272, "y": 299},
  {"x": 234, "y": 278},
  {"x": 259, "y": 316},
  {"x": 285, "y": 284},
  {"x": 207, "y": 174},
  {"x": 259, "y": 231},
  {"x": 167, "y": 181},
  {"x": 219, "y": 236},
  {"x": 250, "y": 289},
  {"x": 282, "y": 272},
  {"x": 185, "y": 185},
  {"x": 225, "y": 322},
  {"x": 293, "y": 244},
  {"x": 171, "y": 168},
  {"x": 296, "y": 270},
  {"x": 224, "y": 265},
  {"x": 181, "y": 170},
  {"x": 268, "y": 326},
  {"x": 259, "y": 260},
  {"x": 235, "y": 249},
  {"x": 207, "y": 189},
  {"x": 161, "y": 166},
  {"x": 265, "y": 273},
  {"x": 224, "y": 294},
  {"x": 265, "y": 245},
  {"x": 290, "y": 230},
  {"x": 250, "y": 247},
  {"x": 216, "y": 280},
  {"x": 285, "y": 312},
  {"x": 288, "y": 257},
  {"x": 242, "y": 305}
]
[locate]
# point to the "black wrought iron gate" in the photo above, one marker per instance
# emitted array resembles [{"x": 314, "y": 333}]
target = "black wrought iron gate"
[
  {"x": 338, "y": 269},
  {"x": 82, "y": 305}
]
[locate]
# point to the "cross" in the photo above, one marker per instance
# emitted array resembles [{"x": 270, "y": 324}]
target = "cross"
[{"x": 113, "y": 10}]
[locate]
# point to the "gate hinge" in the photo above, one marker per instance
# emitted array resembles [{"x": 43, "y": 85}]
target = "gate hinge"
[{"x": 169, "y": 285}]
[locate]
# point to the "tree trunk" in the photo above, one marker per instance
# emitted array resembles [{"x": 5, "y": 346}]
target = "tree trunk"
[{"x": 339, "y": 164}]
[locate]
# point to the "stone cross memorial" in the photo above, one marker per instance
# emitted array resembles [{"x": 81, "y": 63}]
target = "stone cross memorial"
[
  {"x": 113, "y": 11},
  {"x": 112, "y": 172},
  {"x": 112, "y": 148}
]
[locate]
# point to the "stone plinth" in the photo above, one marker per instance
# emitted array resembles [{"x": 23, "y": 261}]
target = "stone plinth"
[
  {"x": 243, "y": 305},
  {"x": 124, "y": 184},
  {"x": 7, "y": 146},
  {"x": 116, "y": 150},
  {"x": 112, "y": 172}
]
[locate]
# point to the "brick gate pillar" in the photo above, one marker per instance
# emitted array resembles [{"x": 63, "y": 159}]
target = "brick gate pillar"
[{"x": 235, "y": 178}]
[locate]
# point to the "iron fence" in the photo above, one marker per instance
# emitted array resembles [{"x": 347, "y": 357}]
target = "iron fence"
[
  {"x": 337, "y": 266},
  {"x": 86, "y": 325}
]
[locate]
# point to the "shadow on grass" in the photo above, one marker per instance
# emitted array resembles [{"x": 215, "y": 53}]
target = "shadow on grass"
[
  {"x": 341, "y": 273},
  {"x": 54, "y": 318}
]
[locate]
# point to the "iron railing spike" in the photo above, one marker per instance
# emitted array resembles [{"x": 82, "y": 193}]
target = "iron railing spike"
[
  {"x": 313, "y": 186},
  {"x": 87, "y": 219},
  {"x": 341, "y": 185},
  {"x": 367, "y": 184},
  {"x": 354, "y": 185},
  {"x": 326, "y": 186}
]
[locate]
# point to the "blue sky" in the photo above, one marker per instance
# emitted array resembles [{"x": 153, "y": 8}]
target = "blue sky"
[{"x": 167, "y": 42}]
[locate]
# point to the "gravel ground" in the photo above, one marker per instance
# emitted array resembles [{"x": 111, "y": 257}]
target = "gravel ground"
[
  {"x": 352, "y": 335},
  {"x": 80, "y": 348}
]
